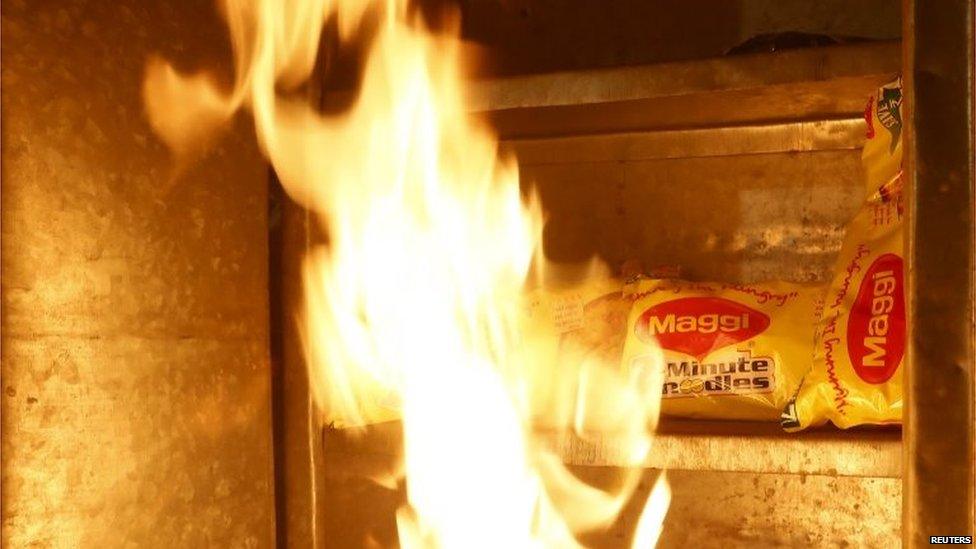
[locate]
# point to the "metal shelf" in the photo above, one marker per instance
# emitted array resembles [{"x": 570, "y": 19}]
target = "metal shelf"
[
  {"x": 749, "y": 448},
  {"x": 806, "y": 84},
  {"x": 745, "y": 447}
]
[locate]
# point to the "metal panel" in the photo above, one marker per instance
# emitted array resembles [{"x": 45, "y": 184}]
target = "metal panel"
[
  {"x": 747, "y": 447},
  {"x": 716, "y": 509},
  {"x": 812, "y": 84},
  {"x": 742, "y": 203},
  {"x": 822, "y": 135},
  {"x": 744, "y": 447},
  {"x": 298, "y": 463},
  {"x": 538, "y": 36},
  {"x": 719, "y": 74},
  {"x": 135, "y": 403},
  {"x": 709, "y": 508},
  {"x": 939, "y": 420}
]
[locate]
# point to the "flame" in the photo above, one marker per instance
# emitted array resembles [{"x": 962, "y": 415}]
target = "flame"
[
  {"x": 650, "y": 523},
  {"x": 414, "y": 307}
]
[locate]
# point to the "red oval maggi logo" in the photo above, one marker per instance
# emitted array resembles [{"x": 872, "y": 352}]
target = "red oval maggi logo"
[
  {"x": 697, "y": 326},
  {"x": 876, "y": 324}
]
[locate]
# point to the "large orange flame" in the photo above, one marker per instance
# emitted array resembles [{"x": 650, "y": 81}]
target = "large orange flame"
[{"x": 415, "y": 303}]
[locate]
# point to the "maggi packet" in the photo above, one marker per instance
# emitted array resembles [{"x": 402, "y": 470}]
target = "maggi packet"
[
  {"x": 567, "y": 331},
  {"x": 856, "y": 374},
  {"x": 721, "y": 351}
]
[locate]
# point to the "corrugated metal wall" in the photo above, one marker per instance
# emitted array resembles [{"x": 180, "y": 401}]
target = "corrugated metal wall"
[{"x": 135, "y": 373}]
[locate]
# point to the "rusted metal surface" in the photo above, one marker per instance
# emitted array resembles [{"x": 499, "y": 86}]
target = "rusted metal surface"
[
  {"x": 135, "y": 400},
  {"x": 940, "y": 393}
]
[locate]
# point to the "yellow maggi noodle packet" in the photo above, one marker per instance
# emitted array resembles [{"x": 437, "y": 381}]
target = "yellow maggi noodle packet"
[
  {"x": 587, "y": 315},
  {"x": 856, "y": 375},
  {"x": 730, "y": 351},
  {"x": 567, "y": 329}
]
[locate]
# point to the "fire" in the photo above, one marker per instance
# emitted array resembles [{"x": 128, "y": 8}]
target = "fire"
[{"x": 414, "y": 308}]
